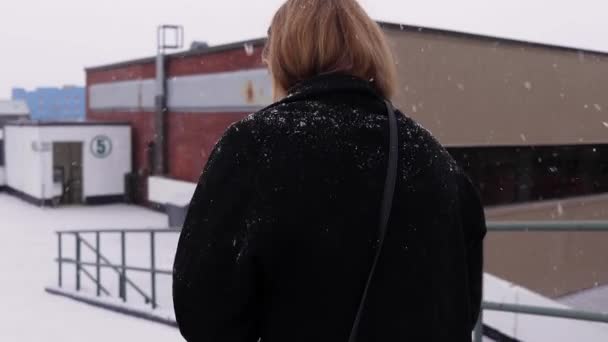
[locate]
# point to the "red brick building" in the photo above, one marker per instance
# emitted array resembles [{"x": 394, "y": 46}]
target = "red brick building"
[{"x": 208, "y": 89}]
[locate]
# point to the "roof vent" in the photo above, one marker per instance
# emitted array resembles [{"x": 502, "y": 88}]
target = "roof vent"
[{"x": 197, "y": 45}]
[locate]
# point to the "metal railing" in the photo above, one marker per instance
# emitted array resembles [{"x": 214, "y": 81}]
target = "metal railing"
[
  {"x": 124, "y": 281},
  {"x": 101, "y": 261},
  {"x": 542, "y": 226}
]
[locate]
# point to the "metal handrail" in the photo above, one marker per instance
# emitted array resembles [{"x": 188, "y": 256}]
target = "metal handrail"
[
  {"x": 90, "y": 276},
  {"x": 118, "y": 231},
  {"x": 128, "y": 268},
  {"x": 107, "y": 262},
  {"x": 547, "y": 311},
  {"x": 493, "y": 227},
  {"x": 542, "y": 226},
  {"x": 548, "y": 226},
  {"x": 102, "y": 262}
]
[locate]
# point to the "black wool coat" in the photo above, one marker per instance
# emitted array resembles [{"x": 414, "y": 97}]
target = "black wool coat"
[{"x": 282, "y": 228}]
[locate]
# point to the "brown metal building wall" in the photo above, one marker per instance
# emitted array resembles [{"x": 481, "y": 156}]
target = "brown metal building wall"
[
  {"x": 553, "y": 264},
  {"x": 477, "y": 91}
]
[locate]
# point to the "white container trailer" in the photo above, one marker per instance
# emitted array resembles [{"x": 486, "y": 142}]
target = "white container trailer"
[{"x": 67, "y": 162}]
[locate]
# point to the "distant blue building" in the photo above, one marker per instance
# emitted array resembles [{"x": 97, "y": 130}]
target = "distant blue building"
[{"x": 48, "y": 104}]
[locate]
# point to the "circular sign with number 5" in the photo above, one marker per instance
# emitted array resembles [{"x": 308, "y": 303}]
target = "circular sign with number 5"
[{"x": 101, "y": 146}]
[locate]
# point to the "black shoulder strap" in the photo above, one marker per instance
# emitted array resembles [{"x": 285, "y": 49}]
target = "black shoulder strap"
[{"x": 385, "y": 210}]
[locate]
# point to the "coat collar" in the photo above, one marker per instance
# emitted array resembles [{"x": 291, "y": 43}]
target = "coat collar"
[{"x": 330, "y": 83}]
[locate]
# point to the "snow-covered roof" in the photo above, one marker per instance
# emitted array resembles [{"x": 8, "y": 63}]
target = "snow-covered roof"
[{"x": 13, "y": 107}]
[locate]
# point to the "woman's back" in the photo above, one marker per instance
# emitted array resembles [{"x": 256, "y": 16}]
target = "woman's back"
[
  {"x": 282, "y": 229},
  {"x": 283, "y": 226}
]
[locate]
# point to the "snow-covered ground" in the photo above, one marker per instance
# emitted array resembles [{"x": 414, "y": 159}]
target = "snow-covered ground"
[
  {"x": 535, "y": 328},
  {"x": 27, "y": 247},
  {"x": 595, "y": 299}
]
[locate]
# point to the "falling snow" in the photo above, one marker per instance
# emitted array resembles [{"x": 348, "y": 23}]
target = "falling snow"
[
  {"x": 248, "y": 49},
  {"x": 560, "y": 209}
]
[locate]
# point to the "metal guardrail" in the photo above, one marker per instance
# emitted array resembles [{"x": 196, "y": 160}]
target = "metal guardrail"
[
  {"x": 542, "y": 226},
  {"x": 101, "y": 261},
  {"x": 548, "y": 226},
  {"x": 493, "y": 227},
  {"x": 549, "y": 312}
]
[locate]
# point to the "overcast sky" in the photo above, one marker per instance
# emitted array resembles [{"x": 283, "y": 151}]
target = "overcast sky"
[{"x": 49, "y": 42}]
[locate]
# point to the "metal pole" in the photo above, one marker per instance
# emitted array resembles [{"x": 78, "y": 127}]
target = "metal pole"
[
  {"x": 116, "y": 268},
  {"x": 153, "y": 270},
  {"x": 160, "y": 99},
  {"x": 159, "y": 102},
  {"x": 77, "y": 261},
  {"x": 478, "y": 334},
  {"x": 97, "y": 264},
  {"x": 123, "y": 271},
  {"x": 60, "y": 259}
]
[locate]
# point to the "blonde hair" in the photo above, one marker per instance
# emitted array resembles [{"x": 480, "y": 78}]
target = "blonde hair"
[{"x": 314, "y": 37}]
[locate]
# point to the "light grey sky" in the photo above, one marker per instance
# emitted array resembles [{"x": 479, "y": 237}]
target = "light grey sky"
[{"x": 49, "y": 42}]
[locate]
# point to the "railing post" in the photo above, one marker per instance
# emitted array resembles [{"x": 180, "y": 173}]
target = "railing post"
[
  {"x": 77, "y": 235},
  {"x": 123, "y": 272},
  {"x": 59, "y": 259},
  {"x": 478, "y": 334},
  {"x": 153, "y": 269},
  {"x": 97, "y": 263}
]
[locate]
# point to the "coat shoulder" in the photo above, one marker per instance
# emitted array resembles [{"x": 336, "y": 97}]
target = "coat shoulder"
[{"x": 424, "y": 150}]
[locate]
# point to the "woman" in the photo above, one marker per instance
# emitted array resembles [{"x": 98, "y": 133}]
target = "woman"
[{"x": 283, "y": 227}]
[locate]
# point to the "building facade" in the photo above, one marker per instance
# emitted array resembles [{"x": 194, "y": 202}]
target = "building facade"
[
  {"x": 10, "y": 110},
  {"x": 208, "y": 89},
  {"x": 48, "y": 104},
  {"x": 55, "y": 163},
  {"x": 529, "y": 122}
]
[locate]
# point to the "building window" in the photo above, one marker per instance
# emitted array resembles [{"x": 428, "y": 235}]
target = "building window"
[{"x": 507, "y": 175}]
